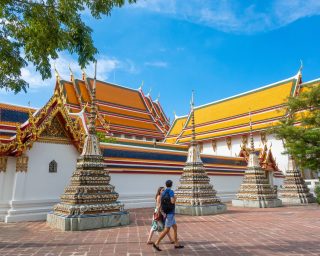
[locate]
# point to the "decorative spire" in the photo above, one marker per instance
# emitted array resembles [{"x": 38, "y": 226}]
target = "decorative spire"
[
  {"x": 294, "y": 190},
  {"x": 251, "y": 135},
  {"x": 175, "y": 114},
  {"x": 149, "y": 92},
  {"x": 83, "y": 74},
  {"x": 192, "y": 118},
  {"x": 158, "y": 97},
  {"x": 195, "y": 194},
  {"x": 71, "y": 74},
  {"x": 56, "y": 71},
  {"x": 93, "y": 110},
  {"x": 301, "y": 66},
  {"x": 141, "y": 86}
]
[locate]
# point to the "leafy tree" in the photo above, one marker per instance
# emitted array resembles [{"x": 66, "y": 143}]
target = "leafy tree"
[
  {"x": 300, "y": 129},
  {"x": 317, "y": 192},
  {"x": 36, "y": 31},
  {"x": 107, "y": 139}
]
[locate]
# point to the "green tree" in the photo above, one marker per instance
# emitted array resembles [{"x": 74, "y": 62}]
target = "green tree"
[
  {"x": 300, "y": 129},
  {"x": 36, "y": 31}
]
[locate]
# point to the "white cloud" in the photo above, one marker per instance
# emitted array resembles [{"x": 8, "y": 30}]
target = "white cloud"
[
  {"x": 235, "y": 16},
  {"x": 167, "y": 6},
  {"x": 158, "y": 64},
  {"x": 106, "y": 66}
]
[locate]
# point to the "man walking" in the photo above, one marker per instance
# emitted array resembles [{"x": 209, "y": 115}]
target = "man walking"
[{"x": 168, "y": 200}]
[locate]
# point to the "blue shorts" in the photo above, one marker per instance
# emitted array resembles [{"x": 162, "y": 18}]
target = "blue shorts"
[{"x": 170, "y": 220}]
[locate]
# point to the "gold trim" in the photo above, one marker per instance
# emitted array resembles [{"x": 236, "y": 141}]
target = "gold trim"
[
  {"x": 22, "y": 163},
  {"x": 3, "y": 163}
]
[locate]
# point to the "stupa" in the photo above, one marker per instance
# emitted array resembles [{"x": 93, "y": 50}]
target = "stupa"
[
  {"x": 195, "y": 195},
  {"x": 294, "y": 191},
  {"x": 255, "y": 190},
  {"x": 89, "y": 201}
]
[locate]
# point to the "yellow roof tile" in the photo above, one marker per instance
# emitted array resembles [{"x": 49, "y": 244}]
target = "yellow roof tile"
[{"x": 230, "y": 116}]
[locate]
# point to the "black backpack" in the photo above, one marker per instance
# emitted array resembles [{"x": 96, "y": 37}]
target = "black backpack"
[{"x": 166, "y": 204}]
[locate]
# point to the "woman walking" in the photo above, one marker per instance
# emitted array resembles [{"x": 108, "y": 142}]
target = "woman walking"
[{"x": 157, "y": 220}]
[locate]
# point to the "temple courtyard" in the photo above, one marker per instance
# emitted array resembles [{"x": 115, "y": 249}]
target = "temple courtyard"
[{"x": 239, "y": 231}]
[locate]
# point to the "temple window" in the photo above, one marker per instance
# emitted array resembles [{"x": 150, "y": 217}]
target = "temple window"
[{"x": 53, "y": 166}]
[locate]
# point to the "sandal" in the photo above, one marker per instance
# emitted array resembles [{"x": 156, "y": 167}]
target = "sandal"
[
  {"x": 156, "y": 247},
  {"x": 149, "y": 242},
  {"x": 179, "y": 246}
]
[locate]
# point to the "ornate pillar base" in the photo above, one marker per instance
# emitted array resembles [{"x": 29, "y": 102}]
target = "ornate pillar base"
[
  {"x": 86, "y": 222},
  {"x": 201, "y": 210},
  {"x": 257, "y": 203},
  {"x": 302, "y": 200}
]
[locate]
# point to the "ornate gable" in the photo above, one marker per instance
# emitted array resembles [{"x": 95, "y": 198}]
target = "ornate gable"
[
  {"x": 266, "y": 159},
  {"x": 51, "y": 123},
  {"x": 55, "y": 133}
]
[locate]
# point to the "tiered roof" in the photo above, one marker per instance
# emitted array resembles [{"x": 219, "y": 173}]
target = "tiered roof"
[
  {"x": 22, "y": 126},
  {"x": 229, "y": 116},
  {"x": 121, "y": 110},
  {"x": 10, "y": 117}
]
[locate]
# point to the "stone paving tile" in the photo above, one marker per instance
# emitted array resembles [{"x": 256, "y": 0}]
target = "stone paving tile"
[{"x": 278, "y": 231}]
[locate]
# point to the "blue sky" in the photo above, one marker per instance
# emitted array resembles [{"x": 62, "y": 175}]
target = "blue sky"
[{"x": 218, "y": 48}]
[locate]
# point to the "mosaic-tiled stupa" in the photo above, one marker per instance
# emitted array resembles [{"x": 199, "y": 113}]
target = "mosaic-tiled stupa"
[
  {"x": 195, "y": 195},
  {"x": 89, "y": 201},
  {"x": 255, "y": 190},
  {"x": 295, "y": 191}
]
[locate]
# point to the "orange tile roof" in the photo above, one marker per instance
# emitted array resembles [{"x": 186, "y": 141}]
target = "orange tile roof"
[
  {"x": 119, "y": 106},
  {"x": 70, "y": 93},
  {"x": 118, "y": 95}
]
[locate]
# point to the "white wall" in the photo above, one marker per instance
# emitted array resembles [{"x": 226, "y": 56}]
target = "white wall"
[
  {"x": 37, "y": 190},
  {"x": 6, "y": 187},
  {"x": 277, "y": 149},
  {"x": 141, "y": 189}
]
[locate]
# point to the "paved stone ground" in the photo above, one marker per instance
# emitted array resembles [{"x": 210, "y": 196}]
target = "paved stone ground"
[{"x": 277, "y": 231}]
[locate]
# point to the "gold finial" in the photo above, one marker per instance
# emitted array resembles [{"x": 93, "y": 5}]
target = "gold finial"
[
  {"x": 71, "y": 74},
  {"x": 56, "y": 71},
  {"x": 83, "y": 74}
]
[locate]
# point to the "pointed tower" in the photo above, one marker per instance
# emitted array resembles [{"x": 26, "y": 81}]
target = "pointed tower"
[
  {"x": 255, "y": 190},
  {"x": 89, "y": 201},
  {"x": 195, "y": 194},
  {"x": 295, "y": 191}
]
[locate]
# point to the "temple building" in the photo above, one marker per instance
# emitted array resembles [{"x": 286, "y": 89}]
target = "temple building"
[
  {"x": 122, "y": 111},
  {"x": 222, "y": 127},
  {"x": 39, "y": 150}
]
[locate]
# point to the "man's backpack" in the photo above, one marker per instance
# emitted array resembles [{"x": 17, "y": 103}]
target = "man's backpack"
[{"x": 166, "y": 204}]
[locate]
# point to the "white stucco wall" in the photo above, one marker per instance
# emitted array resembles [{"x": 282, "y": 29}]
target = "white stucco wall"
[
  {"x": 223, "y": 150},
  {"x": 6, "y": 187},
  {"x": 37, "y": 190},
  {"x": 30, "y": 195},
  {"x": 138, "y": 190}
]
